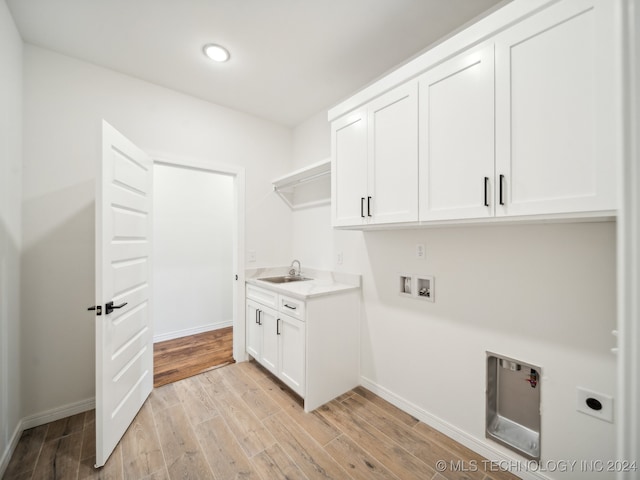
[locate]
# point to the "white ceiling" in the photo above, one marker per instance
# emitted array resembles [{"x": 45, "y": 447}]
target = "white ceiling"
[{"x": 289, "y": 58}]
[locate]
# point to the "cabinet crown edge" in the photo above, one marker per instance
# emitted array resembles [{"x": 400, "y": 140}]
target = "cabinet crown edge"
[{"x": 468, "y": 36}]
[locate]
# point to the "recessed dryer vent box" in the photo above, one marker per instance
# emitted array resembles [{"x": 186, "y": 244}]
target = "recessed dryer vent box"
[
  {"x": 406, "y": 285},
  {"x": 513, "y": 405}
]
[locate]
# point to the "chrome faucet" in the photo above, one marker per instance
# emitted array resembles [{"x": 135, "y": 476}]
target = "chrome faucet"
[{"x": 293, "y": 270}]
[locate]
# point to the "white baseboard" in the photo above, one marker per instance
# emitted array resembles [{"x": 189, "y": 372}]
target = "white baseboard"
[
  {"x": 163, "y": 337},
  {"x": 11, "y": 447},
  {"x": 40, "y": 419},
  {"x": 57, "y": 413},
  {"x": 481, "y": 448}
]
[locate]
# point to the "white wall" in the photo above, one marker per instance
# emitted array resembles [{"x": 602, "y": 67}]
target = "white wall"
[
  {"x": 312, "y": 233},
  {"x": 10, "y": 226},
  {"x": 65, "y": 100},
  {"x": 192, "y": 251},
  {"x": 544, "y": 294},
  {"x": 311, "y": 140}
]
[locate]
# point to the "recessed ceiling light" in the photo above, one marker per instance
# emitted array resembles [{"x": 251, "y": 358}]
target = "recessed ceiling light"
[{"x": 216, "y": 52}]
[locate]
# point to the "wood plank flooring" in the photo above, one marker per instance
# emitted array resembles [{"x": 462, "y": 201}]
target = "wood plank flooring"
[
  {"x": 239, "y": 422},
  {"x": 184, "y": 357}
]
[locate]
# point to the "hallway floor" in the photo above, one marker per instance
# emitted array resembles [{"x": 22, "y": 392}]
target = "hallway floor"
[{"x": 184, "y": 357}]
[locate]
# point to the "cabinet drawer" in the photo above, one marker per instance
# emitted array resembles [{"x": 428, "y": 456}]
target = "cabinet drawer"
[
  {"x": 291, "y": 306},
  {"x": 265, "y": 297}
]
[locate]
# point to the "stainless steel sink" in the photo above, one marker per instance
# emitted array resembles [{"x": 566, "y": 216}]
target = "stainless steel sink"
[{"x": 285, "y": 279}]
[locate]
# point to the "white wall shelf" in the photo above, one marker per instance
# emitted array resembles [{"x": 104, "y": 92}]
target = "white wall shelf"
[{"x": 318, "y": 174}]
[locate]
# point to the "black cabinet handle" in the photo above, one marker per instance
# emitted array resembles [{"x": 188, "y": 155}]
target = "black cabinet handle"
[
  {"x": 278, "y": 326},
  {"x": 110, "y": 307},
  {"x": 259, "y": 317},
  {"x": 289, "y": 306},
  {"x": 362, "y": 207},
  {"x": 486, "y": 191},
  {"x": 501, "y": 179},
  {"x": 368, "y": 206}
]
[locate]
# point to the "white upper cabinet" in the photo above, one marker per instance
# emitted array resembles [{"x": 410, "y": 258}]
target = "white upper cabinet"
[
  {"x": 457, "y": 138},
  {"x": 349, "y": 169},
  {"x": 523, "y": 123},
  {"x": 375, "y": 161},
  {"x": 393, "y": 156},
  {"x": 556, "y": 111}
]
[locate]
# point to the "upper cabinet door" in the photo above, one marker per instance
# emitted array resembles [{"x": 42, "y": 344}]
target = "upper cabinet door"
[
  {"x": 349, "y": 169},
  {"x": 393, "y": 156},
  {"x": 556, "y": 111},
  {"x": 457, "y": 138}
]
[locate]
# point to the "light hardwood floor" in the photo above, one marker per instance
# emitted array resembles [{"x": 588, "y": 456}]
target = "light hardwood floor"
[
  {"x": 184, "y": 357},
  {"x": 239, "y": 422}
]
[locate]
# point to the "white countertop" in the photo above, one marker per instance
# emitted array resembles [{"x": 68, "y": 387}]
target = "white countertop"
[{"x": 321, "y": 283}]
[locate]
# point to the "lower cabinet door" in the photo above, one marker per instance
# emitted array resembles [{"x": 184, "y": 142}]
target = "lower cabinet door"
[
  {"x": 254, "y": 332},
  {"x": 291, "y": 347},
  {"x": 269, "y": 326}
]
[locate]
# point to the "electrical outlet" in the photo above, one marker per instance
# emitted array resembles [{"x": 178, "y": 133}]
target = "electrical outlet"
[
  {"x": 339, "y": 258},
  {"x": 251, "y": 256},
  {"x": 420, "y": 253},
  {"x": 595, "y": 404}
]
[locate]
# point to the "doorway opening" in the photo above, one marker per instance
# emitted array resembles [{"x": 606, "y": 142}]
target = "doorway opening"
[
  {"x": 191, "y": 355},
  {"x": 197, "y": 218}
]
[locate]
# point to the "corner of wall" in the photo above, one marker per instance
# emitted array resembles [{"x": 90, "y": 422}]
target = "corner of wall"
[
  {"x": 311, "y": 140},
  {"x": 312, "y": 235},
  {"x": 11, "y": 55}
]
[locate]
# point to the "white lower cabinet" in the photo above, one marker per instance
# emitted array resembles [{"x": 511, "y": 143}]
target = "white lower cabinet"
[
  {"x": 254, "y": 332},
  {"x": 312, "y": 346},
  {"x": 291, "y": 340},
  {"x": 270, "y": 345},
  {"x": 265, "y": 342}
]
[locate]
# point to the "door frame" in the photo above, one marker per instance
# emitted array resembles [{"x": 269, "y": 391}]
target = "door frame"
[
  {"x": 628, "y": 248},
  {"x": 238, "y": 234}
]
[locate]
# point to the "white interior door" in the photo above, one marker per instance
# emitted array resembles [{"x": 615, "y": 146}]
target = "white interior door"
[{"x": 124, "y": 339}]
